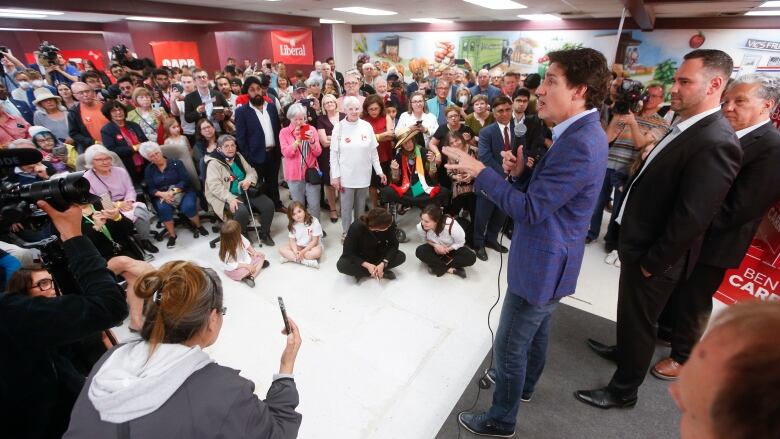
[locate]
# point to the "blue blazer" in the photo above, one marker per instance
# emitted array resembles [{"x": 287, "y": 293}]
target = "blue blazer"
[
  {"x": 551, "y": 211},
  {"x": 249, "y": 132},
  {"x": 433, "y": 105},
  {"x": 27, "y": 112},
  {"x": 491, "y": 144}
]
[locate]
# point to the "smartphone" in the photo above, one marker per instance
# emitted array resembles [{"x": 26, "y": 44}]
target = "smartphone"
[
  {"x": 418, "y": 123},
  {"x": 155, "y": 105},
  {"x": 284, "y": 315},
  {"x": 460, "y": 61},
  {"x": 218, "y": 110}
]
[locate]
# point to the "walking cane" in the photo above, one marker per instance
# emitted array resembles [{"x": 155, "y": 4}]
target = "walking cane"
[{"x": 252, "y": 216}]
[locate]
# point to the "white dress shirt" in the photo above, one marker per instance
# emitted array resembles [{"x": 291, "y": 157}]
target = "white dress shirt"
[{"x": 745, "y": 131}]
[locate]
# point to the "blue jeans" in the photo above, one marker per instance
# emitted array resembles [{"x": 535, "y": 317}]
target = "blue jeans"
[
  {"x": 188, "y": 206},
  {"x": 612, "y": 179},
  {"x": 520, "y": 352},
  {"x": 488, "y": 222}
]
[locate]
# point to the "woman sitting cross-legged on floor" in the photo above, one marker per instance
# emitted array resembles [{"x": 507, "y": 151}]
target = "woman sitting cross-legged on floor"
[
  {"x": 371, "y": 247},
  {"x": 444, "y": 250}
]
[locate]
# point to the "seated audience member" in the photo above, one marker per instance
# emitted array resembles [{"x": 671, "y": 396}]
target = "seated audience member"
[
  {"x": 55, "y": 154},
  {"x": 383, "y": 125},
  {"x": 169, "y": 184},
  {"x": 463, "y": 196},
  {"x": 51, "y": 114},
  {"x": 26, "y": 174},
  {"x": 305, "y": 239},
  {"x": 113, "y": 185},
  {"x": 68, "y": 100},
  {"x": 231, "y": 183},
  {"x": 147, "y": 117},
  {"x": 413, "y": 173},
  {"x": 371, "y": 247},
  {"x": 325, "y": 124},
  {"x": 123, "y": 137},
  {"x": 300, "y": 147},
  {"x": 728, "y": 387},
  {"x": 177, "y": 146},
  {"x": 417, "y": 115},
  {"x": 481, "y": 117},
  {"x": 240, "y": 261},
  {"x": 12, "y": 127},
  {"x": 85, "y": 119},
  {"x": 109, "y": 230},
  {"x": 183, "y": 388},
  {"x": 444, "y": 250}
]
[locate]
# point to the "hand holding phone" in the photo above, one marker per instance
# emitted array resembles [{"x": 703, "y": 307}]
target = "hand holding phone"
[
  {"x": 284, "y": 315},
  {"x": 290, "y": 352}
]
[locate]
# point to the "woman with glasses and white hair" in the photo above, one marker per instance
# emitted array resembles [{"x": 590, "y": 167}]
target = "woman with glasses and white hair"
[
  {"x": 353, "y": 152},
  {"x": 300, "y": 147},
  {"x": 113, "y": 185},
  {"x": 168, "y": 182},
  {"x": 165, "y": 384}
]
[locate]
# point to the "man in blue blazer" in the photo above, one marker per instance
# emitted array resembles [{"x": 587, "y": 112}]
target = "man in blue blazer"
[
  {"x": 493, "y": 140},
  {"x": 551, "y": 208},
  {"x": 257, "y": 133}
]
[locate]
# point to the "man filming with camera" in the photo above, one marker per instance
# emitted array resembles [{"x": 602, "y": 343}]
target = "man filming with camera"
[
  {"x": 631, "y": 130},
  {"x": 38, "y": 382}
]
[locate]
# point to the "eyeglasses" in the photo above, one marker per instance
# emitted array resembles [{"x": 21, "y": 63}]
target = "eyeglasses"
[
  {"x": 45, "y": 284},
  {"x": 201, "y": 77},
  {"x": 351, "y": 83},
  {"x": 84, "y": 92},
  {"x": 453, "y": 116},
  {"x": 101, "y": 159},
  {"x": 417, "y": 102}
]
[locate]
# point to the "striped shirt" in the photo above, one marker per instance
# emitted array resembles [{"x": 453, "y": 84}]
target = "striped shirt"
[{"x": 622, "y": 152}]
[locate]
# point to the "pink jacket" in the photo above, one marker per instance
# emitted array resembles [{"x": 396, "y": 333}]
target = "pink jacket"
[{"x": 291, "y": 154}]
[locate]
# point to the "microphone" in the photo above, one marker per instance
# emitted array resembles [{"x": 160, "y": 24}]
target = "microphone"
[
  {"x": 10, "y": 158},
  {"x": 520, "y": 130}
]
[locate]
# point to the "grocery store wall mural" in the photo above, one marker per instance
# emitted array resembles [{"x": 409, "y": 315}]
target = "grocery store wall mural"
[{"x": 641, "y": 55}]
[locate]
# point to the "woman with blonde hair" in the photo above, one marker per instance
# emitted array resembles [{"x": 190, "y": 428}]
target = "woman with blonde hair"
[{"x": 165, "y": 385}]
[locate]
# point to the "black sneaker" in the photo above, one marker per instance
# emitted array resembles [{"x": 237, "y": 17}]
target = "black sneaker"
[
  {"x": 203, "y": 231},
  {"x": 249, "y": 281},
  {"x": 266, "y": 264},
  {"x": 389, "y": 275},
  {"x": 148, "y": 246},
  {"x": 171, "y": 242},
  {"x": 526, "y": 397},
  {"x": 481, "y": 425}
]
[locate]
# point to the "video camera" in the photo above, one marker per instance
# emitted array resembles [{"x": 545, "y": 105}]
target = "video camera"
[
  {"x": 49, "y": 53},
  {"x": 628, "y": 97},
  {"x": 119, "y": 52}
]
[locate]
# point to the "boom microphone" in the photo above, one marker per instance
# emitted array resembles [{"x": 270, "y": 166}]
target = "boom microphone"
[{"x": 11, "y": 158}]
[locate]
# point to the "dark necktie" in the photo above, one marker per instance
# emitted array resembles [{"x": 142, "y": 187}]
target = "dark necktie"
[{"x": 506, "y": 138}]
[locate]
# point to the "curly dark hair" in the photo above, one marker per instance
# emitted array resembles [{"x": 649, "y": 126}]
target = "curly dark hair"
[{"x": 586, "y": 67}]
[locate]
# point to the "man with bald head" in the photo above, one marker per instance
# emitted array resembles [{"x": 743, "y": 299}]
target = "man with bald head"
[
  {"x": 85, "y": 119},
  {"x": 484, "y": 87},
  {"x": 728, "y": 388}
]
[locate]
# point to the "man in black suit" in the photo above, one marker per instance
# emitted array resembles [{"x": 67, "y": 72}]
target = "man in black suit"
[
  {"x": 668, "y": 206},
  {"x": 336, "y": 74},
  {"x": 202, "y": 102},
  {"x": 747, "y": 105},
  {"x": 534, "y": 134}
]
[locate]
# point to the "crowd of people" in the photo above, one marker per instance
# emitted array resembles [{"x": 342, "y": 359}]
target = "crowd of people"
[{"x": 180, "y": 145}]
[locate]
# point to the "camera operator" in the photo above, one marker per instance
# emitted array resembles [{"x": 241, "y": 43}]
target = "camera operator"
[
  {"x": 628, "y": 134},
  {"x": 58, "y": 71},
  {"x": 38, "y": 384},
  {"x": 123, "y": 56}
]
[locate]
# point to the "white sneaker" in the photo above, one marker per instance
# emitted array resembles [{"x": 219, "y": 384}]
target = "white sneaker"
[
  {"x": 311, "y": 263},
  {"x": 611, "y": 257},
  {"x": 282, "y": 260}
]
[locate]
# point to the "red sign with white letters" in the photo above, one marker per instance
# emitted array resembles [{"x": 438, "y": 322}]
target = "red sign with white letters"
[
  {"x": 175, "y": 53},
  {"x": 292, "y": 47}
]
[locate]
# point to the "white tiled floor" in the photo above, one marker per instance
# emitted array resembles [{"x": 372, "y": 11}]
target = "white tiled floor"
[{"x": 379, "y": 359}]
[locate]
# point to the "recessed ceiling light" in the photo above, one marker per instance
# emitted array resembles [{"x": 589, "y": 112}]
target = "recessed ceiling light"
[
  {"x": 18, "y": 29},
  {"x": 432, "y": 20},
  {"x": 770, "y": 5},
  {"x": 539, "y": 17},
  {"x": 497, "y": 4},
  {"x": 330, "y": 21},
  {"x": 158, "y": 19},
  {"x": 365, "y": 11},
  {"x": 764, "y": 13},
  {"x": 29, "y": 11},
  {"x": 15, "y": 15}
]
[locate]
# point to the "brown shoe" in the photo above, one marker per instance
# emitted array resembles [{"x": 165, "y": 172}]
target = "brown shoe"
[{"x": 666, "y": 369}]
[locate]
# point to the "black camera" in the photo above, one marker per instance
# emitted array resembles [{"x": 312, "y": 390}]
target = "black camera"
[
  {"x": 119, "y": 52},
  {"x": 16, "y": 199},
  {"x": 306, "y": 103},
  {"x": 628, "y": 97},
  {"x": 49, "y": 53}
]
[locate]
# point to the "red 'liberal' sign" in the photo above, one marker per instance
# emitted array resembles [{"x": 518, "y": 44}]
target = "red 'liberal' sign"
[
  {"x": 175, "y": 53},
  {"x": 292, "y": 47}
]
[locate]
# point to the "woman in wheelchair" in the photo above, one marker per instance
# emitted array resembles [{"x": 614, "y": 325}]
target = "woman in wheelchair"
[
  {"x": 168, "y": 182},
  {"x": 413, "y": 175}
]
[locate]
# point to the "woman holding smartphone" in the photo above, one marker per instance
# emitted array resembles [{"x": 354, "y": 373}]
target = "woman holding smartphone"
[{"x": 418, "y": 115}]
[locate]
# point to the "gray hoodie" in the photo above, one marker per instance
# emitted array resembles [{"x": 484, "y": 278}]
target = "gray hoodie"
[{"x": 178, "y": 392}]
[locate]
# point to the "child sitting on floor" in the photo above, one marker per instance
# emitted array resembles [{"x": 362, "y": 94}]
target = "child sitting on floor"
[
  {"x": 241, "y": 262},
  {"x": 305, "y": 244}
]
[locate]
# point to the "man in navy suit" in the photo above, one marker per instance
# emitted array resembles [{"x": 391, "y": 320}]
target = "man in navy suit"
[
  {"x": 15, "y": 107},
  {"x": 551, "y": 208},
  {"x": 493, "y": 140},
  {"x": 257, "y": 132}
]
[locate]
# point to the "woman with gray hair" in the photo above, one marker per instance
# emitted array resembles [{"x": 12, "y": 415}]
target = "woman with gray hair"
[
  {"x": 168, "y": 182},
  {"x": 300, "y": 146},
  {"x": 113, "y": 185},
  {"x": 182, "y": 388},
  {"x": 353, "y": 152}
]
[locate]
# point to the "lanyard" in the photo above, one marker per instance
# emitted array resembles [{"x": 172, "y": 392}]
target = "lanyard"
[{"x": 103, "y": 229}]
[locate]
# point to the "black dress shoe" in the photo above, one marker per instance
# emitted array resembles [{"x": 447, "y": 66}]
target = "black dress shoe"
[
  {"x": 497, "y": 247},
  {"x": 604, "y": 351},
  {"x": 605, "y": 399},
  {"x": 482, "y": 254}
]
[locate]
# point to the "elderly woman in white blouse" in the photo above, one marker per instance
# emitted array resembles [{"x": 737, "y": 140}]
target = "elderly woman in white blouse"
[{"x": 352, "y": 155}]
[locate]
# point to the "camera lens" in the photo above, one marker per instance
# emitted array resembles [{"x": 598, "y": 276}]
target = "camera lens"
[{"x": 60, "y": 192}]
